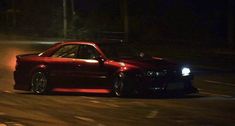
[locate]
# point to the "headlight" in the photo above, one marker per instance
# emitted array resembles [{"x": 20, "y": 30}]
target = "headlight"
[
  {"x": 185, "y": 71},
  {"x": 150, "y": 73}
]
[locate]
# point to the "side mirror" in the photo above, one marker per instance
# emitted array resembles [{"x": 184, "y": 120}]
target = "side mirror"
[
  {"x": 141, "y": 54},
  {"x": 100, "y": 59}
]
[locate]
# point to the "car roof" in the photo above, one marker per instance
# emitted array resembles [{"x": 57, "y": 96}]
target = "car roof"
[
  {"x": 94, "y": 43},
  {"x": 59, "y": 44},
  {"x": 78, "y": 42}
]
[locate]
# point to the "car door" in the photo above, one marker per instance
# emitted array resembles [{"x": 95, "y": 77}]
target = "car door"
[
  {"x": 62, "y": 66},
  {"x": 89, "y": 70}
]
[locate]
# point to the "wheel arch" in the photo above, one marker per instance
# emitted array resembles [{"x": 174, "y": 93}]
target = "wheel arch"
[
  {"x": 41, "y": 67},
  {"x": 130, "y": 78}
]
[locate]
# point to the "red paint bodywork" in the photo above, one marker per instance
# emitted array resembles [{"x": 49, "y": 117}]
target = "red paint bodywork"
[
  {"x": 70, "y": 74},
  {"x": 80, "y": 90},
  {"x": 67, "y": 72}
]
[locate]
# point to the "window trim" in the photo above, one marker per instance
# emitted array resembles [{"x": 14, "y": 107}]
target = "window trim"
[
  {"x": 94, "y": 47},
  {"x": 62, "y": 47}
]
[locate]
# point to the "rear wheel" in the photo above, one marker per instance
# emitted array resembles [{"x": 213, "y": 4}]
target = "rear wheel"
[{"x": 39, "y": 83}]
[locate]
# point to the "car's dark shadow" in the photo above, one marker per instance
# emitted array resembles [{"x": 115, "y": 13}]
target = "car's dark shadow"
[
  {"x": 172, "y": 96},
  {"x": 66, "y": 94},
  {"x": 144, "y": 96}
]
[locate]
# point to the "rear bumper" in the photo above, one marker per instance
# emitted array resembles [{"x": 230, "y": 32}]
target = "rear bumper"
[{"x": 21, "y": 81}]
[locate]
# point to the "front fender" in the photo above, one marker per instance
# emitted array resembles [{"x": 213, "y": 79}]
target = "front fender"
[{"x": 41, "y": 67}]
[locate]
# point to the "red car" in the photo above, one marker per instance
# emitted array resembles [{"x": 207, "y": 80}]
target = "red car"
[{"x": 99, "y": 68}]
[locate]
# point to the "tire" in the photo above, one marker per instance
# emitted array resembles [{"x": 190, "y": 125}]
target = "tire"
[
  {"x": 39, "y": 83},
  {"x": 119, "y": 87}
]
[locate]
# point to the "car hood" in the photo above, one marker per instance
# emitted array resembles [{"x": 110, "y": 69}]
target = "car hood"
[{"x": 150, "y": 63}]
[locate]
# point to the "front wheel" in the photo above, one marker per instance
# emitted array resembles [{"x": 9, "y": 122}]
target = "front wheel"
[
  {"x": 118, "y": 87},
  {"x": 121, "y": 88},
  {"x": 39, "y": 83}
]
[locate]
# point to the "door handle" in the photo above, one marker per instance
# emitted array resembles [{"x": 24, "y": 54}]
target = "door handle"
[{"x": 77, "y": 66}]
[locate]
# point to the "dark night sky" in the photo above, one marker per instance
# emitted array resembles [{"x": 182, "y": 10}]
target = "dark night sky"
[
  {"x": 194, "y": 13},
  {"x": 177, "y": 18}
]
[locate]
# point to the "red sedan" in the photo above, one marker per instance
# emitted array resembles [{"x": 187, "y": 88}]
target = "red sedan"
[{"x": 99, "y": 68}]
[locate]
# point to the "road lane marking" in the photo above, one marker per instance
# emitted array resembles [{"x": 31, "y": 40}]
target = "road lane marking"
[
  {"x": 10, "y": 92},
  {"x": 94, "y": 101},
  {"x": 139, "y": 103},
  {"x": 221, "y": 83},
  {"x": 112, "y": 105},
  {"x": 84, "y": 119},
  {"x": 152, "y": 114},
  {"x": 100, "y": 124},
  {"x": 2, "y": 113},
  {"x": 90, "y": 98},
  {"x": 13, "y": 124},
  {"x": 216, "y": 98},
  {"x": 9, "y": 122},
  {"x": 17, "y": 124},
  {"x": 214, "y": 94},
  {"x": 108, "y": 104}
]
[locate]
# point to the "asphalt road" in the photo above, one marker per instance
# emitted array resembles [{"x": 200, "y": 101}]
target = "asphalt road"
[{"x": 215, "y": 105}]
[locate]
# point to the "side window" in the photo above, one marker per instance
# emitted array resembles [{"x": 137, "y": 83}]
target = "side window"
[
  {"x": 67, "y": 51},
  {"x": 88, "y": 52}
]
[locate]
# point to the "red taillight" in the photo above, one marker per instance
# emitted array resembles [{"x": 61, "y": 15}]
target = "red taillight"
[{"x": 16, "y": 62}]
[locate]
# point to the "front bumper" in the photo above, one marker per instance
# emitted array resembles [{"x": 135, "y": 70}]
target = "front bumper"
[
  {"x": 167, "y": 85},
  {"x": 191, "y": 90}
]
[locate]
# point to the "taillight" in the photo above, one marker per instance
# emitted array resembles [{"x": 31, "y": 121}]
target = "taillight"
[{"x": 17, "y": 63}]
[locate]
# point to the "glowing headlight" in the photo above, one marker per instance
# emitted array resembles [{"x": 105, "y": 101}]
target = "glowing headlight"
[
  {"x": 185, "y": 71},
  {"x": 150, "y": 73}
]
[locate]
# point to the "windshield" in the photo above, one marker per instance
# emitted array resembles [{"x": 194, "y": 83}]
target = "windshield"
[{"x": 121, "y": 51}]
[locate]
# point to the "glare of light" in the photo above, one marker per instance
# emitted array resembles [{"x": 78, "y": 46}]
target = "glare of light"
[
  {"x": 122, "y": 64},
  {"x": 150, "y": 73},
  {"x": 40, "y": 54},
  {"x": 121, "y": 75},
  {"x": 185, "y": 71},
  {"x": 157, "y": 58},
  {"x": 123, "y": 69},
  {"x": 9, "y": 58},
  {"x": 91, "y": 61}
]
